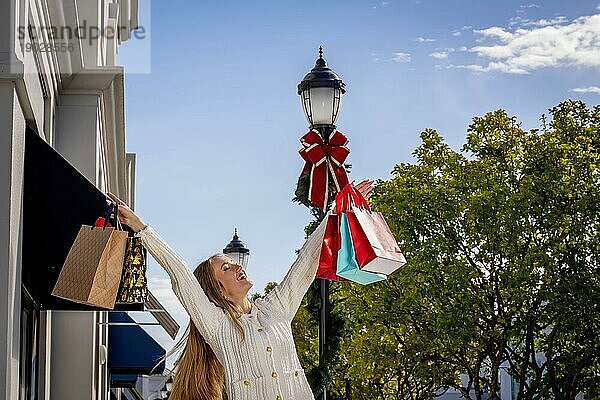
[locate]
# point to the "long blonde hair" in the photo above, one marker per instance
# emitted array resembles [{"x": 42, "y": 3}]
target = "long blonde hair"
[{"x": 199, "y": 375}]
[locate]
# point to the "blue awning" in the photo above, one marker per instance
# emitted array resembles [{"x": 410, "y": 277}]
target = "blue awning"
[
  {"x": 131, "y": 351},
  {"x": 122, "y": 380}
]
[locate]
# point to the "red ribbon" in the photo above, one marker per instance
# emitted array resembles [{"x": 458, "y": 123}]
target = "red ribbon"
[{"x": 321, "y": 158}]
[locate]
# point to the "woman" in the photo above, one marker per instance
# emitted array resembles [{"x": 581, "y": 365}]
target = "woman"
[{"x": 246, "y": 347}]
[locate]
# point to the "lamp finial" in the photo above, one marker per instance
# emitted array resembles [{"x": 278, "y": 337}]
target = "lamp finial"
[{"x": 320, "y": 51}]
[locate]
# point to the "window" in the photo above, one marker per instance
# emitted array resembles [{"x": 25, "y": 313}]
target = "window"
[{"x": 30, "y": 320}]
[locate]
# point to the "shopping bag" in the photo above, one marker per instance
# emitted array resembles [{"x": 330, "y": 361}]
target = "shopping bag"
[
  {"x": 347, "y": 267},
  {"x": 329, "y": 249},
  {"x": 92, "y": 270},
  {"x": 374, "y": 244},
  {"x": 134, "y": 283}
]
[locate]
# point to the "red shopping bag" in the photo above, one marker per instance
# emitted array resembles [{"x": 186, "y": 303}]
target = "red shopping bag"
[
  {"x": 331, "y": 240},
  {"x": 329, "y": 249},
  {"x": 374, "y": 244}
]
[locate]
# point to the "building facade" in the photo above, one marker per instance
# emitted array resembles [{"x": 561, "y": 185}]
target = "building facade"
[{"x": 62, "y": 145}]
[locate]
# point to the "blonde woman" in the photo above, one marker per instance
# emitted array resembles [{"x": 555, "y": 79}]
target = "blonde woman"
[{"x": 245, "y": 348}]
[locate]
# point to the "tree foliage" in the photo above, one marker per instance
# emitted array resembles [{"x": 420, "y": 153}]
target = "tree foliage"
[{"x": 503, "y": 272}]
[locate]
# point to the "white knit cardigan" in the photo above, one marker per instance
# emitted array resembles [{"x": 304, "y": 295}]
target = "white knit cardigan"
[{"x": 265, "y": 364}]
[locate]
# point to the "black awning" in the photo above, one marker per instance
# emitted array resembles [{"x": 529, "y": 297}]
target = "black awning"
[
  {"x": 57, "y": 200},
  {"x": 130, "y": 349}
]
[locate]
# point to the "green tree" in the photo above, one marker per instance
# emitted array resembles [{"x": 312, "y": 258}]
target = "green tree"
[{"x": 502, "y": 245}]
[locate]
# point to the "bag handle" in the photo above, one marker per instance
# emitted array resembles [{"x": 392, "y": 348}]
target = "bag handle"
[
  {"x": 113, "y": 209},
  {"x": 358, "y": 199},
  {"x": 348, "y": 198}
]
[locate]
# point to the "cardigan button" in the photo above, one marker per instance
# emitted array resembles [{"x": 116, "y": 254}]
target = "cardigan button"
[
  {"x": 278, "y": 397},
  {"x": 269, "y": 349},
  {"x": 295, "y": 373},
  {"x": 260, "y": 329},
  {"x": 274, "y": 374},
  {"x": 246, "y": 382}
]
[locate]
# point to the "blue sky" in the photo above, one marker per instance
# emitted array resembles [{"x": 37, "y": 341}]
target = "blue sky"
[{"x": 213, "y": 114}]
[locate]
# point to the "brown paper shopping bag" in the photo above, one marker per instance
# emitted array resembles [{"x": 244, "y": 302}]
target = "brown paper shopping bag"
[{"x": 92, "y": 271}]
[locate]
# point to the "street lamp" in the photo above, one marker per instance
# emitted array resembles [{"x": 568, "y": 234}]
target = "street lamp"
[
  {"x": 237, "y": 250},
  {"x": 321, "y": 93}
]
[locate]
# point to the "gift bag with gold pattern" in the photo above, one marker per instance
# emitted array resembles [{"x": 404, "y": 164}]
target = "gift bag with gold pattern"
[{"x": 134, "y": 285}]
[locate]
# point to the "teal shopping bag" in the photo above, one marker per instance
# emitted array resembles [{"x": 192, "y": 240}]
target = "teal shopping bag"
[{"x": 347, "y": 267}]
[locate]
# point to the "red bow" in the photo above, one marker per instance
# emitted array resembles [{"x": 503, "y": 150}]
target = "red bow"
[{"x": 320, "y": 158}]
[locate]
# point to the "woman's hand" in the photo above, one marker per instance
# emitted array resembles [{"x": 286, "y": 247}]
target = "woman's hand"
[
  {"x": 365, "y": 187},
  {"x": 126, "y": 215}
]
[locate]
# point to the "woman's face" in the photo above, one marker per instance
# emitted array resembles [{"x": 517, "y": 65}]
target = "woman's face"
[{"x": 232, "y": 276}]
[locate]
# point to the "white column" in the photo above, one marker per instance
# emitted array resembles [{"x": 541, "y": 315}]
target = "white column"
[
  {"x": 73, "y": 372},
  {"x": 77, "y": 126},
  {"x": 12, "y": 152}
]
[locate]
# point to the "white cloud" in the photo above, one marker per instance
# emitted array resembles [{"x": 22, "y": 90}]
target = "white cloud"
[
  {"x": 589, "y": 89},
  {"x": 495, "y": 31},
  {"x": 441, "y": 54},
  {"x": 424, "y": 40},
  {"x": 598, "y": 7},
  {"x": 518, "y": 20},
  {"x": 526, "y": 22},
  {"x": 401, "y": 57},
  {"x": 456, "y": 33},
  {"x": 471, "y": 67},
  {"x": 161, "y": 288},
  {"x": 463, "y": 48},
  {"x": 521, "y": 51},
  {"x": 546, "y": 22},
  {"x": 523, "y": 8}
]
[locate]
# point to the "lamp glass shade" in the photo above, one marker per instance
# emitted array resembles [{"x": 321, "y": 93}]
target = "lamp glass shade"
[
  {"x": 321, "y": 105},
  {"x": 242, "y": 258},
  {"x": 238, "y": 257}
]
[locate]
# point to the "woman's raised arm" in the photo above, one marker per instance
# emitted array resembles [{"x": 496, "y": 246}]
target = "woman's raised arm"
[
  {"x": 205, "y": 315},
  {"x": 288, "y": 295}
]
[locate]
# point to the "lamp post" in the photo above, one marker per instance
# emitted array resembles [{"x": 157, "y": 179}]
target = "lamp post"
[
  {"x": 237, "y": 250},
  {"x": 321, "y": 93}
]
